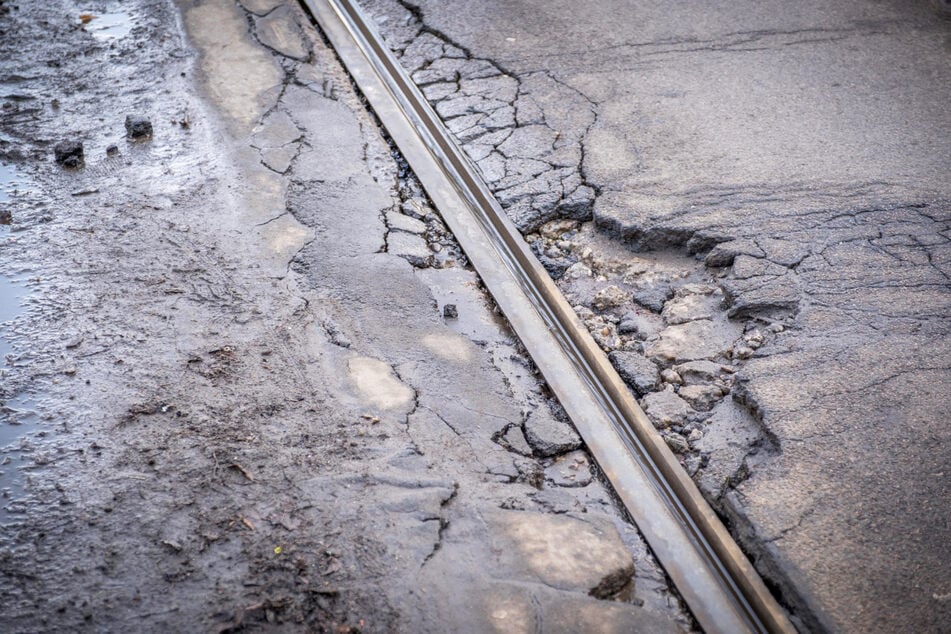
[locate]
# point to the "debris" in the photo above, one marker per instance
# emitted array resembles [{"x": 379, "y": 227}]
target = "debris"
[
  {"x": 671, "y": 376},
  {"x": 138, "y": 127},
  {"x": 86, "y": 18},
  {"x": 676, "y": 442},
  {"x": 247, "y": 523},
  {"x": 112, "y": 150},
  {"x": 242, "y": 471},
  {"x": 610, "y": 297},
  {"x": 449, "y": 311},
  {"x": 373, "y": 419},
  {"x": 665, "y": 408},
  {"x": 549, "y": 436},
  {"x": 69, "y": 153},
  {"x": 637, "y": 371}
]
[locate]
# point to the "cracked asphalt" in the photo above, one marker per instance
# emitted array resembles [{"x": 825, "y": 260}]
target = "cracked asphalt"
[{"x": 744, "y": 199}]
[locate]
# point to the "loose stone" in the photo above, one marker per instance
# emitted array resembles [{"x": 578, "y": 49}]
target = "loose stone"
[
  {"x": 676, "y": 442},
  {"x": 69, "y": 153},
  {"x": 137, "y": 127},
  {"x": 637, "y": 371},
  {"x": 701, "y": 397},
  {"x": 549, "y": 436},
  {"x": 449, "y": 311},
  {"x": 665, "y": 408},
  {"x": 671, "y": 376}
]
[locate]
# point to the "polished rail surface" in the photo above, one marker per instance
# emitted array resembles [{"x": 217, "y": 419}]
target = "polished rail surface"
[{"x": 723, "y": 591}]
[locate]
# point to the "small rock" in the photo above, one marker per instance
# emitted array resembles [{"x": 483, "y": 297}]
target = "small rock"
[
  {"x": 653, "y": 294},
  {"x": 112, "y": 150},
  {"x": 549, "y": 436},
  {"x": 671, "y": 376},
  {"x": 5, "y": 217},
  {"x": 637, "y": 371},
  {"x": 701, "y": 397},
  {"x": 695, "y": 435},
  {"x": 69, "y": 153},
  {"x": 137, "y": 127},
  {"x": 743, "y": 352},
  {"x": 610, "y": 297},
  {"x": 665, "y": 408},
  {"x": 449, "y": 311},
  {"x": 676, "y": 442},
  {"x": 754, "y": 339},
  {"x": 577, "y": 270}
]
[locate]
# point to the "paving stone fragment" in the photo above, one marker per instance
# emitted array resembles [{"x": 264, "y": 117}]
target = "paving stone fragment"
[
  {"x": 652, "y": 294},
  {"x": 665, "y": 408},
  {"x": 411, "y": 247},
  {"x": 700, "y": 339},
  {"x": 549, "y": 436},
  {"x": 639, "y": 372},
  {"x": 700, "y": 371},
  {"x": 701, "y": 397},
  {"x": 401, "y": 222}
]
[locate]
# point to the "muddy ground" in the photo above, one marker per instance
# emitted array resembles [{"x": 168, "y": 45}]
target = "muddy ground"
[{"x": 234, "y": 396}]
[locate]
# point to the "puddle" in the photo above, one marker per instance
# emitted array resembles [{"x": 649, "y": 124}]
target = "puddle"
[
  {"x": 18, "y": 418},
  {"x": 108, "y": 26},
  {"x": 11, "y": 296}
]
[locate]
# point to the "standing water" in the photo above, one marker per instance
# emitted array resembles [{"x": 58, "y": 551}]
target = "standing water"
[{"x": 16, "y": 414}]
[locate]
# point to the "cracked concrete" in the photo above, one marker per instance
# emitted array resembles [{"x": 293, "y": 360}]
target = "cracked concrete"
[{"x": 792, "y": 159}]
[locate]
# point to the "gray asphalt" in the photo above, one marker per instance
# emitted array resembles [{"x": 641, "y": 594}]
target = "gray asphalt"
[{"x": 802, "y": 151}]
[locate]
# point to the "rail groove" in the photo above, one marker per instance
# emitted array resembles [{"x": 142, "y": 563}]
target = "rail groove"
[{"x": 719, "y": 584}]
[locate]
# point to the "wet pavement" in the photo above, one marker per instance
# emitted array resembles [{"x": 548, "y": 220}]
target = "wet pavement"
[
  {"x": 748, "y": 205},
  {"x": 235, "y": 397}
]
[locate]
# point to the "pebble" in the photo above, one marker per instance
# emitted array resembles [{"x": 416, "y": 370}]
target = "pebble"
[
  {"x": 69, "y": 153},
  {"x": 137, "y": 126},
  {"x": 112, "y": 150},
  {"x": 676, "y": 442},
  {"x": 671, "y": 376},
  {"x": 449, "y": 311},
  {"x": 743, "y": 352}
]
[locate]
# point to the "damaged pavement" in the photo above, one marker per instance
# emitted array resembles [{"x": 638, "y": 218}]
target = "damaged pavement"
[{"x": 748, "y": 206}]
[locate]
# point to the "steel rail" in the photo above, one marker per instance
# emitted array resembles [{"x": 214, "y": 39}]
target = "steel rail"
[{"x": 720, "y": 586}]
